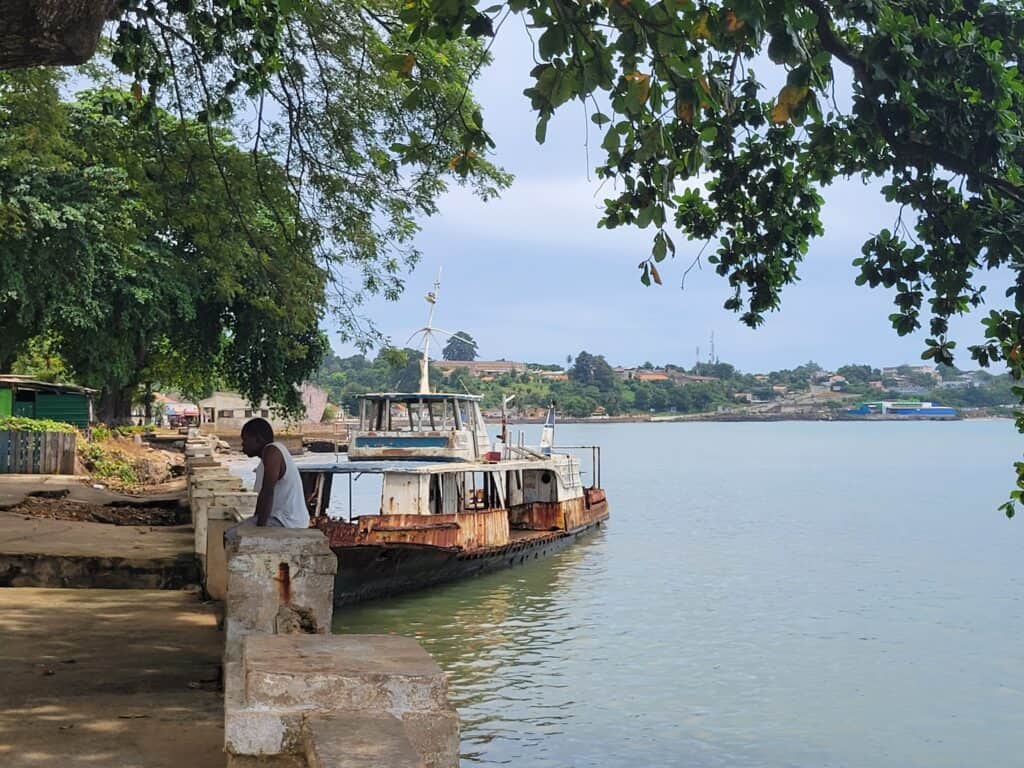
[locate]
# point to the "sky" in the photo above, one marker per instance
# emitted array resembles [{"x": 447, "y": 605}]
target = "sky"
[{"x": 532, "y": 278}]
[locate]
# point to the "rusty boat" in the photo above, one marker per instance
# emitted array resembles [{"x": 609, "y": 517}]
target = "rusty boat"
[{"x": 451, "y": 505}]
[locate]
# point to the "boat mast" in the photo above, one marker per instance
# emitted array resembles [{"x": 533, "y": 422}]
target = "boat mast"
[{"x": 431, "y": 298}]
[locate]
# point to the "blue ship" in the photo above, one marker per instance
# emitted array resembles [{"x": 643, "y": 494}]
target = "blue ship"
[{"x": 907, "y": 409}]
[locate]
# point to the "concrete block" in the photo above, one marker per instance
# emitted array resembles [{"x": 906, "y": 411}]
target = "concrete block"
[
  {"x": 207, "y": 488},
  {"x": 370, "y": 673},
  {"x": 358, "y": 740},
  {"x": 215, "y": 573},
  {"x": 434, "y": 736},
  {"x": 278, "y": 580},
  {"x": 266, "y": 761},
  {"x": 226, "y": 498}
]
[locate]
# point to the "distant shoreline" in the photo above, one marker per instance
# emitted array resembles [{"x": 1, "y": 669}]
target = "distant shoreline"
[{"x": 735, "y": 417}]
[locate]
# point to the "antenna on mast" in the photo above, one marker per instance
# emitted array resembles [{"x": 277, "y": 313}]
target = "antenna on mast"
[{"x": 428, "y": 332}]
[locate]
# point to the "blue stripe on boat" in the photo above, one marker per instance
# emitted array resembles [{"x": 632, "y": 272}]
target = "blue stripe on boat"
[{"x": 401, "y": 442}]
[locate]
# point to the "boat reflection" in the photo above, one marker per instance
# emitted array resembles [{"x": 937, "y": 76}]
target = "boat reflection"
[{"x": 492, "y": 635}]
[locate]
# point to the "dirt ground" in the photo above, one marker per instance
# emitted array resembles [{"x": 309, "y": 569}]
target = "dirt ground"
[
  {"x": 109, "y": 679},
  {"x": 61, "y": 508}
]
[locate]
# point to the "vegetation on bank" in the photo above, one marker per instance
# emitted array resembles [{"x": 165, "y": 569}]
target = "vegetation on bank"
[
  {"x": 593, "y": 387},
  {"x": 21, "y": 424}
]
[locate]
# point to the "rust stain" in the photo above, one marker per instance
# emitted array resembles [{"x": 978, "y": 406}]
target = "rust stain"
[{"x": 284, "y": 583}]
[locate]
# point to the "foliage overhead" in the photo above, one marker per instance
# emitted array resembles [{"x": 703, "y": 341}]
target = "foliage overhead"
[
  {"x": 367, "y": 125},
  {"x": 117, "y": 245},
  {"x": 460, "y": 346},
  {"x": 696, "y": 141}
]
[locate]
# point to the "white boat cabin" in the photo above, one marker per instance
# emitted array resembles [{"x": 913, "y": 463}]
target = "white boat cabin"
[{"x": 434, "y": 426}]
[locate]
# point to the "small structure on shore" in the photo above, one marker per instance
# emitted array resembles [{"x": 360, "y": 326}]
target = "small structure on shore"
[{"x": 33, "y": 399}]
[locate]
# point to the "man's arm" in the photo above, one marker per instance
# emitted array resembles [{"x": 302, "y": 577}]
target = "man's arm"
[{"x": 273, "y": 469}]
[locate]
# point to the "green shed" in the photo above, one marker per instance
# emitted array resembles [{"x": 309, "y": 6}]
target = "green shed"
[{"x": 33, "y": 399}]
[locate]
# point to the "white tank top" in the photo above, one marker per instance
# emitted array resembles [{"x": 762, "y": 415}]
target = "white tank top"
[{"x": 289, "y": 506}]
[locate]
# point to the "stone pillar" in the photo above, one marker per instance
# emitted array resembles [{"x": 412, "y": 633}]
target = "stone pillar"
[
  {"x": 341, "y": 700},
  {"x": 279, "y": 581}
]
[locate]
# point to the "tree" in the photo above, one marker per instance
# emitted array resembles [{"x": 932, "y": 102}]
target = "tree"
[
  {"x": 859, "y": 375},
  {"x": 38, "y": 32},
  {"x": 461, "y": 346},
  {"x": 592, "y": 369},
  {"x": 370, "y": 125},
  {"x": 118, "y": 246}
]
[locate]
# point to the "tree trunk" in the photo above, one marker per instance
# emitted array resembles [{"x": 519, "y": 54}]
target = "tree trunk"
[
  {"x": 47, "y": 32},
  {"x": 148, "y": 402},
  {"x": 115, "y": 408}
]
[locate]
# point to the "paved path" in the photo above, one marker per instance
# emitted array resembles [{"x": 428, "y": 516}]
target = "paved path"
[
  {"x": 39, "y": 552},
  {"x": 95, "y": 678}
]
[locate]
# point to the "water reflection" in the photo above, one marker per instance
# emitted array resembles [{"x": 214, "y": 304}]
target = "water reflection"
[{"x": 499, "y": 637}]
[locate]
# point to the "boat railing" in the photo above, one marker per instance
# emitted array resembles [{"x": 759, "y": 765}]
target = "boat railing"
[{"x": 595, "y": 459}]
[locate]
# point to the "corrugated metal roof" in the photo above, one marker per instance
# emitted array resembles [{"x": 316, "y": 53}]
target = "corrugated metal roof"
[{"x": 27, "y": 382}]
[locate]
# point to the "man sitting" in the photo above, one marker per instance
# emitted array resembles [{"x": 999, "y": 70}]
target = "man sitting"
[{"x": 280, "y": 501}]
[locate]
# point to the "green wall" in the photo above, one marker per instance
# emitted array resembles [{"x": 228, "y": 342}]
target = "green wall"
[
  {"x": 70, "y": 408},
  {"x": 5, "y": 402}
]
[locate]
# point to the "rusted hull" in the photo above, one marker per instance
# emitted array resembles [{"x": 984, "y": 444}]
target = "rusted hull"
[{"x": 370, "y": 571}]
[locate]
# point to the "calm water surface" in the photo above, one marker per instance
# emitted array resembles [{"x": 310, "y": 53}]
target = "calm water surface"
[{"x": 787, "y": 594}]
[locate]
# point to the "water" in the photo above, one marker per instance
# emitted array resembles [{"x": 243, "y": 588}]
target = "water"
[{"x": 778, "y": 594}]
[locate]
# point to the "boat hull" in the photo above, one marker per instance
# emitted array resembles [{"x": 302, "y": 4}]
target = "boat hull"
[{"x": 371, "y": 571}]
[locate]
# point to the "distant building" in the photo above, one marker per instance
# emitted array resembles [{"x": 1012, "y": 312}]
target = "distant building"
[
  {"x": 551, "y": 375},
  {"x": 651, "y": 375},
  {"x": 682, "y": 377},
  {"x": 479, "y": 368},
  {"x": 228, "y": 411}
]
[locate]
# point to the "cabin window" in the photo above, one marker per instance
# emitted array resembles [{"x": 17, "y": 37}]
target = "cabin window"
[{"x": 481, "y": 490}]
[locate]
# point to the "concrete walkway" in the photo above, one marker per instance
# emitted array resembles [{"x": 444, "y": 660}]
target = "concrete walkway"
[
  {"x": 38, "y": 552},
  {"x": 109, "y": 679}
]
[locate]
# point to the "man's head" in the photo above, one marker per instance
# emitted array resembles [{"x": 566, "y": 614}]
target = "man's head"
[{"x": 257, "y": 434}]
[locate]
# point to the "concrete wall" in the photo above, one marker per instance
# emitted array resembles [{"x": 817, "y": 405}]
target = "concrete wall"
[{"x": 294, "y": 694}]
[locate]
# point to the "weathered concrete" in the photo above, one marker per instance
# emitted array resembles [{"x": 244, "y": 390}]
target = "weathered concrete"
[
  {"x": 358, "y": 740},
  {"x": 38, "y": 552},
  {"x": 291, "y": 689},
  {"x": 282, "y": 684},
  {"x": 215, "y": 567},
  {"x": 278, "y": 580},
  {"x": 219, "y": 506},
  {"x": 108, "y": 679}
]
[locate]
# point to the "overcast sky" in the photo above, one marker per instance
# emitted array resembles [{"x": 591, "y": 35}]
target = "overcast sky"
[{"x": 532, "y": 278}]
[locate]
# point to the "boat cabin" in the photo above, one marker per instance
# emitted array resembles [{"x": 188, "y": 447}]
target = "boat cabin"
[
  {"x": 463, "y": 506},
  {"x": 435, "y": 426}
]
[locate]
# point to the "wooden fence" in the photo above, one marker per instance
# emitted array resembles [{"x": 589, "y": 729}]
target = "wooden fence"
[{"x": 37, "y": 453}]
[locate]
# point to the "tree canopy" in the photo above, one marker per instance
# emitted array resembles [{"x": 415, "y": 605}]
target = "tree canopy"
[
  {"x": 368, "y": 125},
  {"x": 460, "y": 346},
  {"x": 592, "y": 369},
  {"x": 119, "y": 247}
]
